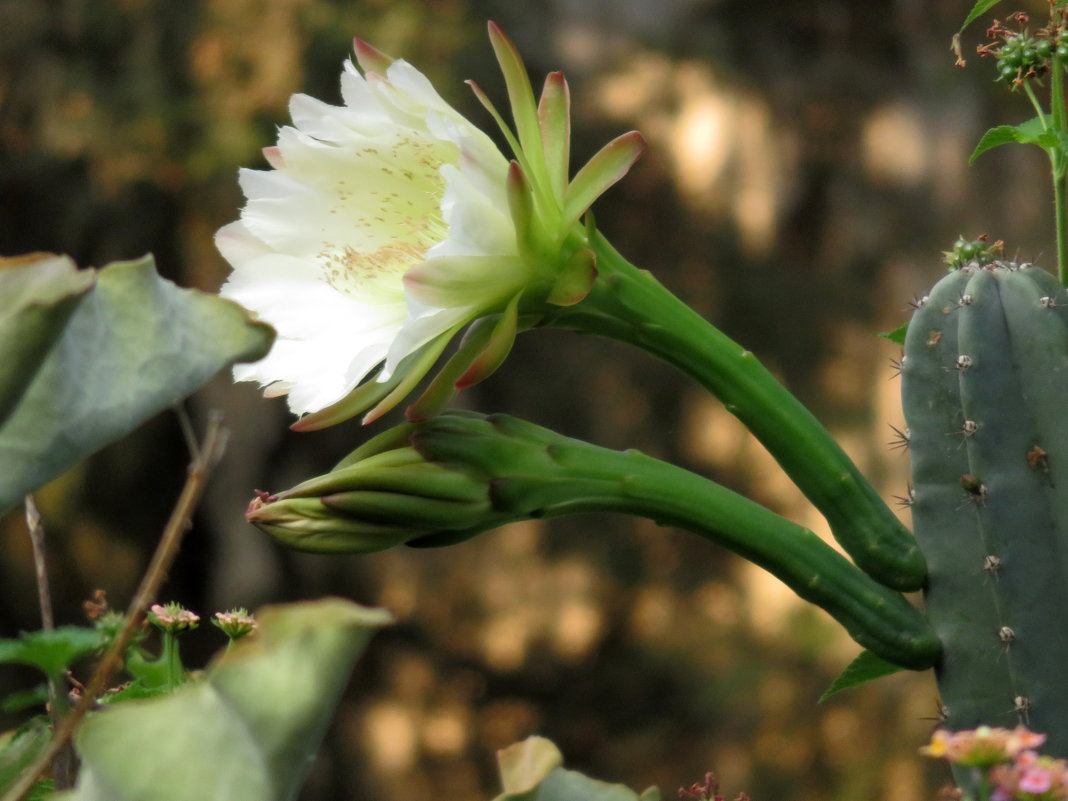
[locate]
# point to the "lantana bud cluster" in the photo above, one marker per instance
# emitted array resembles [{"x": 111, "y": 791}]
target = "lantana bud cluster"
[
  {"x": 1013, "y": 770},
  {"x": 967, "y": 251},
  {"x": 1023, "y": 54},
  {"x": 173, "y": 617}
]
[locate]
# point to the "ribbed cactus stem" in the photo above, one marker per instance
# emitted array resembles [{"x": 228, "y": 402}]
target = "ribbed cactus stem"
[{"x": 985, "y": 384}]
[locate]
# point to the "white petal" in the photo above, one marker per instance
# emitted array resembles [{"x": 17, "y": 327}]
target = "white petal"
[
  {"x": 478, "y": 221},
  {"x": 395, "y": 183}
]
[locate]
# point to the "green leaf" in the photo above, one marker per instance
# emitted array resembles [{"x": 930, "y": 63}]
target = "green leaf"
[
  {"x": 248, "y": 730},
  {"x": 1035, "y": 131},
  {"x": 866, "y": 667},
  {"x": 51, "y": 651},
  {"x": 980, "y": 8},
  {"x": 20, "y": 748},
  {"x": 134, "y": 346},
  {"x": 897, "y": 336},
  {"x": 42, "y": 790},
  {"x": 40, "y": 293},
  {"x": 150, "y": 675},
  {"x": 995, "y": 137},
  {"x": 533, "y": 771},
  {"x": 18, "y": 701}
]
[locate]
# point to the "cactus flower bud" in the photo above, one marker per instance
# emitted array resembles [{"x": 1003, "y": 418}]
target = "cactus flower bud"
[
  {"x": 376, "y": 499},
  {"x": 446, "y": 479}
]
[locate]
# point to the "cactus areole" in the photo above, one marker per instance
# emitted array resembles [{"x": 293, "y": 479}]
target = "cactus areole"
[{"x": 985, "y": 387}]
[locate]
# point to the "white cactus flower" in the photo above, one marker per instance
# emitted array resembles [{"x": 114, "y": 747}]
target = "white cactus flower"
[
  {"x": 394, "y": 181},
  {"x": 389, "y": 223}
]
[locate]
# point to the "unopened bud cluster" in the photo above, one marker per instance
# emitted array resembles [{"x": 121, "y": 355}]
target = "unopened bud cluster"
[
  {"x": 980, "y": 251},
  {"x": 236, "y": 623},
  {"x": 1022, "y": 54},
  {"x": 173, "y": 617}
]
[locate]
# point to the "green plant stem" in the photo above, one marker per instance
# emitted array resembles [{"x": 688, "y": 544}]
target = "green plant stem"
[
  {"x": 1059, "y": 159},
  {"x": 1057, "y": 124},
  {"x": 206, "y": 457},
  {"x": 878, "y": 618},
  {"x": 58, "y": 702},
  {"x": 172, "y": 661},
  {"x": 630, "y": 305}
]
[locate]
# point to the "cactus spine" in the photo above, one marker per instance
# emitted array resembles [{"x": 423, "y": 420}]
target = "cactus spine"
[{"x": 985, "y": 376}]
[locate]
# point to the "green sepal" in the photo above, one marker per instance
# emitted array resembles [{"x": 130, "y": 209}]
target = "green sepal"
[
  {"x": 554, "y": 120},
  {"x": 897, "y": 336},
  {"x": 390, "y": 439},
  {"x": 379, "y": 396},
  {"x": 305, "y": 524},
  {"x": 520, "y": 205},
  {"x": 506, "y": 131},
  {"x": 395, "y": 509},
  {"x": 371, "y": 59},
  {"x": 607, "y": 166},
  {"x": 866, "y": 667},
  {"x": 497, "y": 348},
  {"x": 53, "y": 651},
  {"x": 575, "y": 279},
  {"x": 442, "y": 387},
  {"x": 521, "y": 98},
  {"x": 425, "y": 358}
]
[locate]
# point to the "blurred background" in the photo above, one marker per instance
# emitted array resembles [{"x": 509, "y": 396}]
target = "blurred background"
[{"x": 807, "y": 165}]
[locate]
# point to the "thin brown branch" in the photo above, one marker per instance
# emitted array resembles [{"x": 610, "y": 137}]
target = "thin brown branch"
[
  {"x": 63, "y": 763},
  {"x": 37, "y": 535},
  {"x": 207, "y": 456}
]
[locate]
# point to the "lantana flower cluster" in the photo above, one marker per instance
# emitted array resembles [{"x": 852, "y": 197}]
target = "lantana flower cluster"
[{"x": 1010, "y": 768}]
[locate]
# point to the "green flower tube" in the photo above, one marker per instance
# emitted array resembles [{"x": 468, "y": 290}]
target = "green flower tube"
[{"x": 630, "y": 305}]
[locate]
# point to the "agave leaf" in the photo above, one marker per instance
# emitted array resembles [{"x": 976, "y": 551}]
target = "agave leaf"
[
  {"x": 40, "y": 293},
  {"x": 135, "y": 345}
]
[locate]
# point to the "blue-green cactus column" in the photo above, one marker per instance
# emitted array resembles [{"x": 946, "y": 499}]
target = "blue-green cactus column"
[{"x": 985, "y": 385}]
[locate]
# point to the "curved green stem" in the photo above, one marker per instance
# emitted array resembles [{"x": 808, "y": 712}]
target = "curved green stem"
[{"x": 630, "y": 305}]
